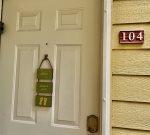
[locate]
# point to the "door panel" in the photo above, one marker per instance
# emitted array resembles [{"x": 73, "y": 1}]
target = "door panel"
[
  {"x": 25, "y": 64},
  {"x": 66, "y": 111},
  {"x": 69, "y": 32}
]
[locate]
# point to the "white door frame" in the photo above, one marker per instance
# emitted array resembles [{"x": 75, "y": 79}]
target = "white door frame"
[
  {"x": 1, "y": 6},
  {"x": 106, "y": 79}
]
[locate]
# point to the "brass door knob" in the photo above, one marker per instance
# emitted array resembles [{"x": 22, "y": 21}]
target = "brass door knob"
[{"x": 92, "y": 124}]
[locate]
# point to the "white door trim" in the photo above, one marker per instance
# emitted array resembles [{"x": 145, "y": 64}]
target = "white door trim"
[
  {"x": 106, "y": 81},
  {"x": 1, "y": 6}
]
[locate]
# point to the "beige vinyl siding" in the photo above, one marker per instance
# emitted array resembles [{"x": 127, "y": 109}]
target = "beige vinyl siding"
[
  {"x": 115, "y": 35},
  {"x": 131, "y": 62},
  {"x": 131, "y": 11},
  {"x": 131, "y": 88},
  {"x": 131, "y": 115},
  {"x": 130, "y": 93},
  {"x": 119, "y": 131}
]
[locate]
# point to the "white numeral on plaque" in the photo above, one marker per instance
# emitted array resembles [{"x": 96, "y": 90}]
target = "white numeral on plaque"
[
  {"x": 131, "y": 36},
  {"x": 140, "y": 36},
  {"x": 124, "y": 35}
]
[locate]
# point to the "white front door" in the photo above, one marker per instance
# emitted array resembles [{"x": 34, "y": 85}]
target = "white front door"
[{"x": 69, "y": 32}]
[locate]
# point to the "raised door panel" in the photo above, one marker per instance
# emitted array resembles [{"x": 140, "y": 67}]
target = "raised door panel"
[
  {"x": 26, "y": 61},
  {"x": 67, "y": 86}
]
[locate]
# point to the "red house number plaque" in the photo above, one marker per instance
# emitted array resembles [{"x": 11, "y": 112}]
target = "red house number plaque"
[{"x": 131, "y": 37}]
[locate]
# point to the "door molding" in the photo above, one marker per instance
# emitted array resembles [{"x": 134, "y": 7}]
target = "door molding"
[
  {"x": 106, "y": 77},
  {"x": 1, "y": 6}
]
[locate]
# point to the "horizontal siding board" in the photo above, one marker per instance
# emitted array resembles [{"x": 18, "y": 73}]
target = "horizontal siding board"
[
  {"x": 131, "y": 62},
  {"x": 115, "y": 36},
  {"x": 131, "y": 12},
  {"x": 118, "y": 131},
  {"x": 130, "y": 69},
  {"x": 131, "y": 115},
  {"x": 131, "y": 88}
]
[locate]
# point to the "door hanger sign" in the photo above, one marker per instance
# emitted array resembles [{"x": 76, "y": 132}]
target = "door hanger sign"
[
  {"x": 131, "y": 37},
  {"x": 44, "y": 85}
]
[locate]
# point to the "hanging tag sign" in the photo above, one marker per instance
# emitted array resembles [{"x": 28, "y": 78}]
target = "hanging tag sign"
[
  {"x": 44, "y": 87},
  {"x": 45, "y": 74},
  {"x": 131, "y": 37},
  {"x": 43, "y": 101}
]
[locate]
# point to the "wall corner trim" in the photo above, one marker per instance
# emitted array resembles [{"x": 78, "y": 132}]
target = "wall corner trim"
[{"x": 106, "y": 130}]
